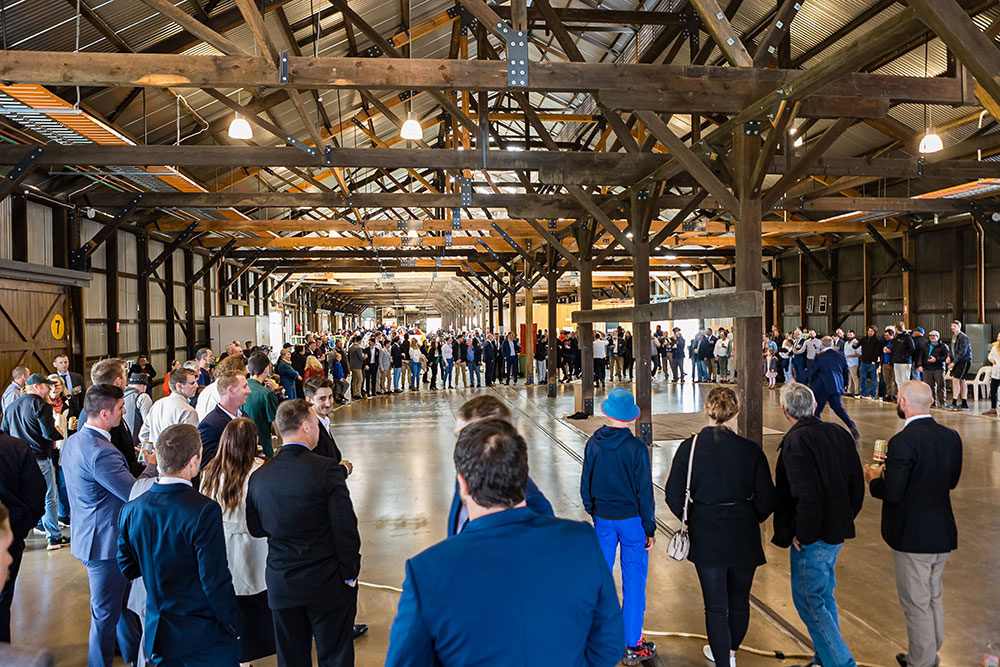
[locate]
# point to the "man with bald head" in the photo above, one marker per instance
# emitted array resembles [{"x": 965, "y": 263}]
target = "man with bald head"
[{"x": 922, "y": 466}]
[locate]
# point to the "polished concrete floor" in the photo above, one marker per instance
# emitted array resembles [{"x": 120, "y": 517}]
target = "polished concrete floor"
[{"x": 402, "y": 486}]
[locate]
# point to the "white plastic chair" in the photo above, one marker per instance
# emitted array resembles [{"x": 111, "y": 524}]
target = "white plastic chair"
[{"x": 982, "y": 381}]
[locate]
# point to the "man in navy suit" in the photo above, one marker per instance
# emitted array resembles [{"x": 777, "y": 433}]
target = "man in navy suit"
[
  {"x": 514, "y": 586},
  {"x": 486, "y": 406},
  {"x": 99, "y": 482},
  {"x": 509, "y": 351},
  {"x": 299, "y": 501},
  {"x": 827, "y": 375},
  {"x": 233, "y": 392},
  {"x": 172, "y": 537}
]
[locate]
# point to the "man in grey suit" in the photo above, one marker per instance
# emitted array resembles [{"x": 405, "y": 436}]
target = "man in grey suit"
[{"x": 99, "y": 482}]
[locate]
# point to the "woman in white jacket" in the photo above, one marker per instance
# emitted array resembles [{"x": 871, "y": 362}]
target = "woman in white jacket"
[
  {"x": 994, "y": 358},
  {"x": 722, "y": 347},
  {"x": 225, "y": 480}
]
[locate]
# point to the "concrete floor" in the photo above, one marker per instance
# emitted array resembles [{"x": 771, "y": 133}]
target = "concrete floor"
[{"x": 401, "y": 447}]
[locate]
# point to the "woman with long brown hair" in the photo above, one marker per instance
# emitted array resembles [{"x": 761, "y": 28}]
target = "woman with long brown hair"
[{"x": 224, "y": 480}]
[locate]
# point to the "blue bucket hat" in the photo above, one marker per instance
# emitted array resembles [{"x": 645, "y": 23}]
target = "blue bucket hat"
[{"x": 620, "y": 405}]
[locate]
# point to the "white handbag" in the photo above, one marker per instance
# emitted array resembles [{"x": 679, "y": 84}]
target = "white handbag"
[{"x": 680, "y": 543}]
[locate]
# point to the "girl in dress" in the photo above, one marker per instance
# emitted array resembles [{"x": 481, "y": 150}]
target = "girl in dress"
[{"x": 772, "y": 369}]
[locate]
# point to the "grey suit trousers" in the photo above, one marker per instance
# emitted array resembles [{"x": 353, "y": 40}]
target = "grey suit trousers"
[{"x": 918, "y": 581}]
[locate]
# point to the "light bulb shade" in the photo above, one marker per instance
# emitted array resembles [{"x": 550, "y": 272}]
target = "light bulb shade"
[
  {"x": 411, "y": 130},
  {"x": 239, "y": 128},
  {"x": 931, "y": 143}
]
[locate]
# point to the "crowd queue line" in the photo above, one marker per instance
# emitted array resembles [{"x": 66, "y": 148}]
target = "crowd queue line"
[{"x": 199, "y": 552}]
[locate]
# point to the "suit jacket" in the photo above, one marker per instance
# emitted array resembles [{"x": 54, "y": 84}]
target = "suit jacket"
[
  {"x": 827, "y": 374},
  {"x": 543, "y": 581},
  {"x": 533, "y": 496},
  {"x": 509, "y": 348},
  {"x": 172, "y": 537},
  {"x": 922, "y": 466},
  {"x": 22, "y": 486},
  {"x": 299, "y": 501},
  {"x": 77, "y": 389},
  {"x": 327, "y": 446},
  {"x": 121, "y": 438},
  {"x": 211, "y": 428},
  {"x": 98, "y": 481}
]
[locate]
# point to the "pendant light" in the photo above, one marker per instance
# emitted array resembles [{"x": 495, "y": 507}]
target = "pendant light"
[
  {"x": 931, "y": 143},
  {"x": 239, "y": 128},
  {"x": 411, "y": 129}
]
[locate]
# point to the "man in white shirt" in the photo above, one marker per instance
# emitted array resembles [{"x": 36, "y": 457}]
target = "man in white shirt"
[{"x": 172, "y": 409}]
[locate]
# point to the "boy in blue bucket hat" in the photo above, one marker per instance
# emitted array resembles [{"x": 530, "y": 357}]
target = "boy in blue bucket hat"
[{"x": 617, "y": 491}]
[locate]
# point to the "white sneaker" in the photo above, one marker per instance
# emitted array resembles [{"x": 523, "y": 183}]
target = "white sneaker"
[
  {"x": 707, "y": 650},
  {"x": 38, "y": 531}
]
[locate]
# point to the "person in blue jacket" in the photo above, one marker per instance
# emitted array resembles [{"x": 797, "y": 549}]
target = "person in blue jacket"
[
  {"x": 515, "y": 587},
  {"x": 617, "y": 491},
  {"x": 476, "y": 409},
  {"x": 827, "y": 376}
]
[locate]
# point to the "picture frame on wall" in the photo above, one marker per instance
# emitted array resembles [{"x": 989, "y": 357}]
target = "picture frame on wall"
[
  {"x": 809, "y": 304},
  {"x": 822, "y": 304}
]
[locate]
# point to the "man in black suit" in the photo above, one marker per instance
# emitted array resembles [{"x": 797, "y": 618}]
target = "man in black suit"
[
  {"x": 73, "y": 382},
  {"x": 299, "y": 501},
  {"x": 233, "y": 392},
  {"x": 22, "y": 491},
  {"x": 319, "y": 394},
  {"x": 922, "y": 466}
]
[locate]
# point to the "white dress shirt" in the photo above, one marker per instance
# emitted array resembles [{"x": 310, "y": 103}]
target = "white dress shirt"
[
  {"x": 208, "y": 399},
  {"x": 170, "y": 410},
  {"x": 915, "y": 418}
]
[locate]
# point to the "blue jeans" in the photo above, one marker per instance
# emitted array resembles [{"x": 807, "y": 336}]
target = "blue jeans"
[
  {"x": 449, "y": 366},
  {"x": 397, "y": 373},
  {"x": 702, "y": 366},
  {"x": 635, "y": 566},
  {"x": 414, "y": 375},
  {"x": 869, "y": 379},
  {"x": 813, "y": 582},
  {"x": 476, "y": 376},
  {"x": 50, "y": 520}
]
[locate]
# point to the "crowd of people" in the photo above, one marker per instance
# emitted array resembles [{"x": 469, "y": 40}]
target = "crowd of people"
[{"x": 216, "y": 525}]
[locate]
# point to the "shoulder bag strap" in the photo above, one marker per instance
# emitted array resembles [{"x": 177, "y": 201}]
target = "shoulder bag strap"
[{"x": 687, "y": 490}]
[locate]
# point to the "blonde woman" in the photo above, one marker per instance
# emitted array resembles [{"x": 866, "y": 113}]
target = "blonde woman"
[
  {"x": 731, "y": 494},
  {"x": 994, "y": 358},
  {"x": 225, "y": 480},
  {"x": 313, "y": 368}
]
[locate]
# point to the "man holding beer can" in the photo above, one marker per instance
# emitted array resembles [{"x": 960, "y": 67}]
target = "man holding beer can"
[{"x": 922, "y": 466}]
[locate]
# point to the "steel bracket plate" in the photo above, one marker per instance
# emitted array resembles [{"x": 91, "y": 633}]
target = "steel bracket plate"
[
  {"x": 465, "y": 185},
  {"x": 283, "y": 62},
  {"x": 517, "y": 58}
]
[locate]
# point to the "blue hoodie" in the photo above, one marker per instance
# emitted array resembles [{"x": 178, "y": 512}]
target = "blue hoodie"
[{"x": 617, "y": 481}]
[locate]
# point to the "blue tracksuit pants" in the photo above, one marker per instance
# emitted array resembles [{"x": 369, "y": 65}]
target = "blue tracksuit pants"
[{"x": 635, "y": 565}]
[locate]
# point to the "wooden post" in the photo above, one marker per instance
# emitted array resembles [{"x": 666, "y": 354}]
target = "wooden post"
[
  {"x": 489, "y": 305},
  {"x": 552, "y": 356},
  {"x": 586, "y": 335},
  {"x": 866, "y": 282},
  {"x": 777, "y": 295},
  {"x": 78, "y": 310},
  {"x": 831, "y": 306},
  {"x": 142, "y": 299},
  {"x": 207, "y": 283},
  {"x": 500, "y": 298},
  {"x": 749, "y": 330},
  {"x": 803, "y": 318},
  {"x": 980, "y": 278},
  {"x": 19, "y": 228},
  {"x": 168, "y": 306},
  {"x": 641, "y": 343},
  {"x": 111, "y": 292},
  {"x": 528, "y": 346},
  {"x": 910, "y": 283}
]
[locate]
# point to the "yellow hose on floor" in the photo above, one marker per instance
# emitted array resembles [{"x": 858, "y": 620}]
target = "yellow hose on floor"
[{"x": 777, "y": 655}]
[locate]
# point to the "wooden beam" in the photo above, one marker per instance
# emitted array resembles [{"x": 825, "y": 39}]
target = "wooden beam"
[
  {"x": 196, "y": 27},
  {"x": 767, "y": 48},
  {"x": 726, "y": 304},
  {"x": 722, "y": 32}
]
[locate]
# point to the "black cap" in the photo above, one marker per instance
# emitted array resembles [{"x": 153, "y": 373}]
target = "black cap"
[
  {"x": 37, "y": 378},
  {"x": 138, "y": 378}
]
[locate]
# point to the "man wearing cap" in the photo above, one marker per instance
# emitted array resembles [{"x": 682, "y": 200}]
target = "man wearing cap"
[
  {"x": 617, "y": 491},
  {"x": 30, "y": 419},
  {"x": 137, "y": 404}
]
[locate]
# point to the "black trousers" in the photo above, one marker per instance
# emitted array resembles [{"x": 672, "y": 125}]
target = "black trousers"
[
  {"x": 600, "y": 366},
  {"x": 371, "y": 380},
  {"x": 726, "y": 591},
  {"x": 491, "y": 372},
  {"x": 330, "y": 623},
  {"x": 7, "y": 595},
  {"x": 994, "y": 385}
]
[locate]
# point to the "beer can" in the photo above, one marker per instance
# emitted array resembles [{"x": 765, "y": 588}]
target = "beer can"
[
  {"x": 881, "y": 447},
  {"x": 72, "y": 423}
]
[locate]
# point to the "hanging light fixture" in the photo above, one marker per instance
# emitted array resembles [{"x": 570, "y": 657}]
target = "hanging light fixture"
[
  {"x": 239, "y": 128},
  {"x": 931, "y": 143},
  {"x": 411, "y": 130}
]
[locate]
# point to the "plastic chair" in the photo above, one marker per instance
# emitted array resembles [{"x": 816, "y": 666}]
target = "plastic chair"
[{"x": 982, "y": 381}]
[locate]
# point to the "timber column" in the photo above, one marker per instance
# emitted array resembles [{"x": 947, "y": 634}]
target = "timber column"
[
  {"x": 552, "y": 360},
  {"x": 640, "y": 213},
  {"x": 529, "y": 338},
  {"x": 586, "y": 335}
]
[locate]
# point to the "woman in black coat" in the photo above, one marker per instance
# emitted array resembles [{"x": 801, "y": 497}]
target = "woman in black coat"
[{"x": 731, "y": 495}]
